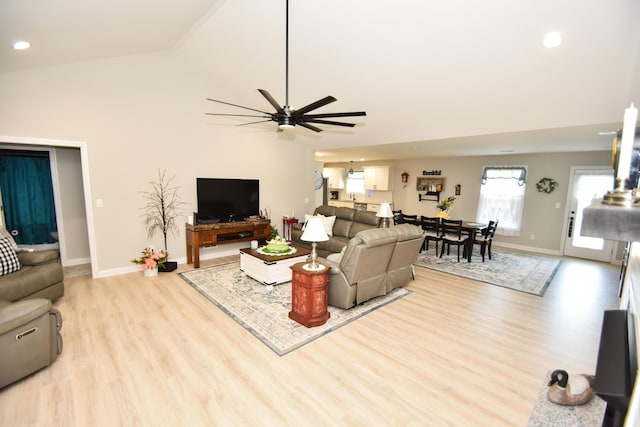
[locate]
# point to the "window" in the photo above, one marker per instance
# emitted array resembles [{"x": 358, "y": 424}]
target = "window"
[
  {"x": 502, "y": 198},
  {"x": 355, "y": 182}
]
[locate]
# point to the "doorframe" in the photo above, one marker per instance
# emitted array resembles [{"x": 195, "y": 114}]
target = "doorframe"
[
  {"x": 567, "y": 210},
  {"x": 86, "y": 182}
]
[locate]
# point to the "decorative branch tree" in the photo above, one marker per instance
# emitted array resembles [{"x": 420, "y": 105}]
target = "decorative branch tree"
[{"x": 162, "y": 207}]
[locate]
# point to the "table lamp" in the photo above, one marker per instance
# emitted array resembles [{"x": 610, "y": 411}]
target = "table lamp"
[
  {"x": 314, "y": 232},
  {"x": 385, "y": 213}
]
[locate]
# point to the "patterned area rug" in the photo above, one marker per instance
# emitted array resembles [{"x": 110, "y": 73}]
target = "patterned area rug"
[
  {"x": 264, "y": 311},
  {"x": 518, "y": 271},
  {"x": 546, "y": 414}
]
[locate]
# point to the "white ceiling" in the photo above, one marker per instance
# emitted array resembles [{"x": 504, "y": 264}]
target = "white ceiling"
[{"x": 436, "y": 78}]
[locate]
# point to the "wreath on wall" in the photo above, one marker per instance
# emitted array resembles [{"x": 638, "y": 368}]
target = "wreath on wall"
[{"x": 546, "y": 185}]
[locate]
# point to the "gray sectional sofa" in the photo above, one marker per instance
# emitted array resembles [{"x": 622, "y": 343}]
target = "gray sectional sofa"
[{"x": 348, "y": 223}]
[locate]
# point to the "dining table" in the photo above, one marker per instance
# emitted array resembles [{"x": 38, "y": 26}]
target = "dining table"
[{"x": 472, "y": 229}]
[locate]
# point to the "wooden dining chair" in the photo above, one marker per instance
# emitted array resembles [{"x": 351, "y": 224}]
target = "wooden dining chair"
[
  {"x": 431, "y": 227},
  {"x": 485, "y": 240},
  {"x": 397, "y": 217},
  {"x": 452, "y": 235},
  {"x": 409, "y": 219}
]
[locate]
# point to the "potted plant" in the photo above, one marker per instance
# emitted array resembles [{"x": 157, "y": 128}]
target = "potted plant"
[
  {"x": 445, "y": 207},
  {"x": 151, "y": 261},
  {"x": 161, "y": 211}
]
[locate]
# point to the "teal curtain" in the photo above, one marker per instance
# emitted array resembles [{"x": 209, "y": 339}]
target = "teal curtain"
[{"x": 27, "y": 196}]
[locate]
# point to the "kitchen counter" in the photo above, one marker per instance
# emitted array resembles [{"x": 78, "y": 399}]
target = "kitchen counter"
[{"x": 368, "y": 206}]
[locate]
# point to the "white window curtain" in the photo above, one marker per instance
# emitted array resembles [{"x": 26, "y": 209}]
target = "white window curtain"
[
  {"x": 502, "y": 198},
  {"x": 355, "y": 182}
]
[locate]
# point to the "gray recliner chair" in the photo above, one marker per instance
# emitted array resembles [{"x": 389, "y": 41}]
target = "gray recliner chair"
[
  {"x": 360, "y": 273},
  {"x": 29, "y": 337}
]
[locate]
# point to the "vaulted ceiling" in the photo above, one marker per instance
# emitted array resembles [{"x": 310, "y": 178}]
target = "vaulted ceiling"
[{"x": 436, "y": 78}]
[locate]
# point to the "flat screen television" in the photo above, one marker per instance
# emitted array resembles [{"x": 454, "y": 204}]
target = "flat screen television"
[{"x": 227, "y": 200}]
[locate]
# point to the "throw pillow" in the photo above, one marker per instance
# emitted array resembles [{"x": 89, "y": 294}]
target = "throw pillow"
[
  {"x": 327, "y": 222},
  {"x": 4, "y": 233},
  {"x": 9, "y": 262}
]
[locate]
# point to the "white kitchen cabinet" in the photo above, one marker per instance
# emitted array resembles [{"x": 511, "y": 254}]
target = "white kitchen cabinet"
[
  {"x": 335, "y": 177},
  {"x": 376, "y": 178}
]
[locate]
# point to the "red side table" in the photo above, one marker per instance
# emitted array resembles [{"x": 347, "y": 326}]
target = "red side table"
[
  {"x": 309, "y": 295},
  {"x": 286, "y": 227}
]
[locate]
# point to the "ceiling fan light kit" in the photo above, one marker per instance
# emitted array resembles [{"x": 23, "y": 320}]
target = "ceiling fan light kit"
[{"x": 285, "y": 116}]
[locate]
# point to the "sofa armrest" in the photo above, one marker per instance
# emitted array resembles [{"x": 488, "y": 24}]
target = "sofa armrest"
[
  {"x": 38, "y": 257},
  {"x": 21, "y": 312}
]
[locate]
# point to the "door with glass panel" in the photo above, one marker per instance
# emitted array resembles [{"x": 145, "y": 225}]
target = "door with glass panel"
[{"x": 587, "y": 183}]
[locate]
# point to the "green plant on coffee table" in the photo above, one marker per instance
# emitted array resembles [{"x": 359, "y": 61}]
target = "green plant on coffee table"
[{"x": 274, "y": 232}]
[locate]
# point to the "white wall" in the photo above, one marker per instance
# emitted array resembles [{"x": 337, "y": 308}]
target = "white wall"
[{"x": 138, "y": 114}]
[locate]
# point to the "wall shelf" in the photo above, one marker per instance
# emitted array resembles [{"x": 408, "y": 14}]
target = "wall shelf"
[{"x": 432, "y": 186}]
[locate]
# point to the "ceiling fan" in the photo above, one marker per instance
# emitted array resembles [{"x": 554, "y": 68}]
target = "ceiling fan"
[{"x": 285, "y": 116}]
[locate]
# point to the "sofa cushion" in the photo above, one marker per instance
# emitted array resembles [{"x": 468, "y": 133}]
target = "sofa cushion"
[
  {"x": 38, "y": 257},
  {"x": 33, "y": 281},
  {"x": 364, "y": 220},
  {"x": 9, "y": 262}
]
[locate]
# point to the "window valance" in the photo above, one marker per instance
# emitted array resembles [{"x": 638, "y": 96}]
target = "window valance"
[{"x": 518, "y": 173}]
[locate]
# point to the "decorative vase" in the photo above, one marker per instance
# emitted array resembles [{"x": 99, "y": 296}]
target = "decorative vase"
[{"x": 150, "y": 272}]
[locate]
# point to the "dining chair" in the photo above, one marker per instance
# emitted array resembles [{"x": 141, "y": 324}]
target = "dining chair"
[
  {"x": 397, "y": 217},
  {"x": 409, "y": 219},
  {"x": 452, "y": 235},
  {"x": 431, "y": 227},
  {"x": 485, "y": 240}
]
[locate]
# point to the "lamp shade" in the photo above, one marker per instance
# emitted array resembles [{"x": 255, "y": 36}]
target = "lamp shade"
[
  {"x": 314, "y": 231},
  {"x": 385, "y": 211}
]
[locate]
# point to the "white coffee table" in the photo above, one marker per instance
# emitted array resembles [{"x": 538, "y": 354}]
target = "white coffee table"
[{"x": 270, "y": 269}]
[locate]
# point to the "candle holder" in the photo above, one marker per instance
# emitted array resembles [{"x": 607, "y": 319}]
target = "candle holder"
[{"x": 619, "y": 196}]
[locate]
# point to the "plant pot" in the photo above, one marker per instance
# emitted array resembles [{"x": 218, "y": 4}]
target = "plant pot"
[
  {"x": 150, "y": 272},
  {"x": 168, "y": 267}
]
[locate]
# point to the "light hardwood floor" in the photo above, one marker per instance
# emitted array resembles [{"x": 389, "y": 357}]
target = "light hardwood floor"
[{"x": 153, "y": 352}]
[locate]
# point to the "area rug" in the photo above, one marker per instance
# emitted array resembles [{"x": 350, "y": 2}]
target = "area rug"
[
  {"x": 546, "y": 414},
  {"x": 264, "y": 311},
  {"x": 514, "y": 270}
]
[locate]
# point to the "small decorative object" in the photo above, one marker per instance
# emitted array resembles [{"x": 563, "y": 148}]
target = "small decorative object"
[
  {"x": 274, "y": 232},
  {"x": 570, "y": 391},
  {"x": 314, "y": 232},
  {"x": 150, "y": 260},
  {"x": 546, "y": 185},
  {"x": 318, "y": 180},
  {"x": 405, "y": 178},
  {"x": 445, "y": 207},
  {"x": 277, "y": 245},
  {"x": 385, "y": 213},
  {"x": 622, "y": 195},
  {"x": 458, "y": 188}
]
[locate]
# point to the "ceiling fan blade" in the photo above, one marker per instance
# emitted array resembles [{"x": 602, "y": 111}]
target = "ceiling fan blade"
[
  {"x": 237, "y": 115},
  {"x": 271, "y": 99},
  {"x": 320, "y": 103},
  {"x": 308, "y": 126},
  {"x": 253, "y": 123},
  {"x": 239, "y": 106},
  {"x": 329, "y": 122},
  {"x": 351, "y": 114}
]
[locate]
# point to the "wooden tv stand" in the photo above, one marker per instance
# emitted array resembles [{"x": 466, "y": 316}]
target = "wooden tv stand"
[{"x": 203, "y": 235}]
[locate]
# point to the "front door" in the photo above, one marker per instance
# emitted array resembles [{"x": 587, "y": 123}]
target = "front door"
[{"x": 586, "y": 184}]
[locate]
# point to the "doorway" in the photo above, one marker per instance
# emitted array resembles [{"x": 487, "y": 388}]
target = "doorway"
[
  {"x": 587, "y": 183},
  {"x": 28, "y": 197}
]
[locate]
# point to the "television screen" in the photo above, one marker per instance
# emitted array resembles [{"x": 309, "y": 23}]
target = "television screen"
[{"x": 227, "y": 200}]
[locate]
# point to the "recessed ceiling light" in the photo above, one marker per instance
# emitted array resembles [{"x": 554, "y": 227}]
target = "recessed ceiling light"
[
  {"x": 552, "y": 39},
  {"x": 21, "y": 45}
]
